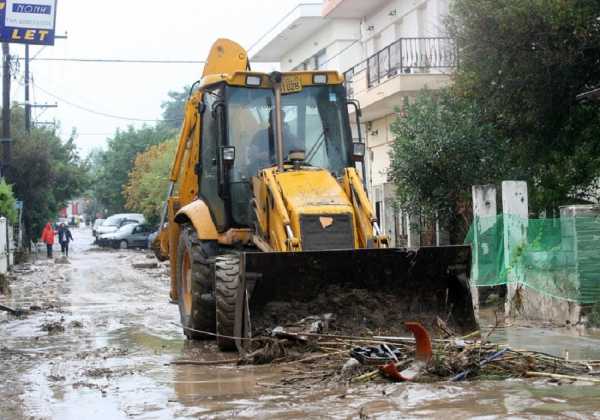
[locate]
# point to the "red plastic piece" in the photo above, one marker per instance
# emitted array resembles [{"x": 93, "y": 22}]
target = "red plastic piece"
[
  {"x": 423, "y": 355},
  {"x": 424, "y": 352},
  {"x": 390, "y": 370}
]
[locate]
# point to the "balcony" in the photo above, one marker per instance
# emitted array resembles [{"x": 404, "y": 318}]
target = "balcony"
[{"x": 402, "y": 68}]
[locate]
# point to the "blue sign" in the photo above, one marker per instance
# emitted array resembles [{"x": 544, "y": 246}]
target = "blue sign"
[{"x": 27, "y": 21}]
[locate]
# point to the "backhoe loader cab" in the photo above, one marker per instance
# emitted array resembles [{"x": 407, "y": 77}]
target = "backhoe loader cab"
[
  {"x": 240, "y": 130},
  {"x": 266, "y": 210}
]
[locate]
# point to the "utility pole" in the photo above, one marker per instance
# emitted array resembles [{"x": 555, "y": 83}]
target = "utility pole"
[
  {"x": 6, "y": 139},
  {"x": 27, "y": 105}
]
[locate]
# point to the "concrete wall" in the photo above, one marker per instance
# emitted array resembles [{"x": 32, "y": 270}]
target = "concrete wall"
[{"x": 484, "y": 217}]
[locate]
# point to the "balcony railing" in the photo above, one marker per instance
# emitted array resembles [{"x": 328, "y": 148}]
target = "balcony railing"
[{"x": 406, "y": 55}]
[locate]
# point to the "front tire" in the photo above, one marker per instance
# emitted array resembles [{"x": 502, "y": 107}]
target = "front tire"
[
  {"x": 194, "y": 286},
  {"x": 227, "y": 284},
  {"x": 123, "y": 244}
]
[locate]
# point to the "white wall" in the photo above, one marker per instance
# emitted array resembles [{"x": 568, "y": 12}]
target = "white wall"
[
  {"x": 379, "y": 139},
  {"x": 405, "y": 18},
  {"x": 335, "y": 36}
]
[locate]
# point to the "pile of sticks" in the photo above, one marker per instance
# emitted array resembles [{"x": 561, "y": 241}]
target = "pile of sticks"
[
  {"x": 309, "y": 358},
  {"x": 454, "y": 359}
]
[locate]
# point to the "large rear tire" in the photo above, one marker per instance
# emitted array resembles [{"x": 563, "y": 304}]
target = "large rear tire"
[
  {"x": 227, "y": 283},
  {"x": 194, "y": 285}
]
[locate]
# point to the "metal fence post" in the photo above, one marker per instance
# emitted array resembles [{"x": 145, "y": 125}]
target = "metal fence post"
[
  {"x": 378, "y": 68},
  {"x": 401, "y": 52},
  {"x": 389, "y": 53}
]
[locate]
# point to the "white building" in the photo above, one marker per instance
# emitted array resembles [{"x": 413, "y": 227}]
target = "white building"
[{"x": 388, "y": 50}]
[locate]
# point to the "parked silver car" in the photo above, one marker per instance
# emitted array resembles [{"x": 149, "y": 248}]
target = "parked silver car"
[
  {"x": 132, "y": 235},
  {"x": 114, "y": 222},
  {"x": 96, "y": 225}
]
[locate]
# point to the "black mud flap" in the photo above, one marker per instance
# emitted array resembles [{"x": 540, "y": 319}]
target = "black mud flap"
[{"x": 411, "y": 284}]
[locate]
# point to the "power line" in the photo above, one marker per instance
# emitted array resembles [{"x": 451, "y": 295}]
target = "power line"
[
  {"x": 116, "y": 60},
  {"x": 93, "y": 111},
  {"x": 341, "y": 51},
  {"x": 39, "y": 52}
]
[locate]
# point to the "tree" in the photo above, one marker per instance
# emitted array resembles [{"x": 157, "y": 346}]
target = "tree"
[
  {"x": 441, "y": 149},
  {"x": 524, "y": 62},
  {"x": 94, "y": 164},
  {"x": 45, "y": 172},
  {"x": 149, "y": 179},
  {"x": 8, "y": 204},
  {"x": 173, "y": 108},
  {"x": 111, "y": 167},
  {"x": 118, "y": 160}
]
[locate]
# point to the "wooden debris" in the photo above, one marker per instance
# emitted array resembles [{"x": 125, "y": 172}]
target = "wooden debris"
[
  {"x": 317, "y": 357},
  {"x": 204, "y": 362},
  {"x": 16, "y": 312}
]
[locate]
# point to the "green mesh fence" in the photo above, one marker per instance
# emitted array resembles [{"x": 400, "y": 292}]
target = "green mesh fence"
[{"x": 557, "y": 257}]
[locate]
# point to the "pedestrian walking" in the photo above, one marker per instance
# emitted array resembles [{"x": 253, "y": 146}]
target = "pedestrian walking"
[
  {"x": 64, "y": 237},
  {"x": 48, "y": 238}
]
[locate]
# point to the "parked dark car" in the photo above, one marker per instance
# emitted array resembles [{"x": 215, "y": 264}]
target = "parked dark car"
[{"x": 132, "y": 235}]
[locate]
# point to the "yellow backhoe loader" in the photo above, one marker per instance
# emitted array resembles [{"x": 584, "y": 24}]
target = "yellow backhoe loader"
[{"x": 266, "y": 204}]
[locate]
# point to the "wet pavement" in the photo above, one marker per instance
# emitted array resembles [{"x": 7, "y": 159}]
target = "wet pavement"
[{"x": 101, "y": 337}]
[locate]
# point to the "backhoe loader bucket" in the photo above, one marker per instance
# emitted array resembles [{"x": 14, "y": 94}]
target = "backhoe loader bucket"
[{"x": 366, "y": 290}]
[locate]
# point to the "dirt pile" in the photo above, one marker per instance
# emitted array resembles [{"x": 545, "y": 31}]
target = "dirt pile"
[
  {"x": 53, "y": 327},
  {"x": 354, "y": 312},
  {"x": 144, "y": 264}
]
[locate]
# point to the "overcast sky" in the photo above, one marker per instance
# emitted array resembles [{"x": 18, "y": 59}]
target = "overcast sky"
[{"x": 133, "y": 29}]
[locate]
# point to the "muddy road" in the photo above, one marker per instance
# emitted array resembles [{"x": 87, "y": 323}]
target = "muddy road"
[{"x": 100, "y": 340}]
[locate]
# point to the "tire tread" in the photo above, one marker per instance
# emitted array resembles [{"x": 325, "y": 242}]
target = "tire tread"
[{"x": 227, "y": 284}]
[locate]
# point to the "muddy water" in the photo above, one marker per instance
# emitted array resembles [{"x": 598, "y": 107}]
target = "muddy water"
[{"x": 100, "y": 339}]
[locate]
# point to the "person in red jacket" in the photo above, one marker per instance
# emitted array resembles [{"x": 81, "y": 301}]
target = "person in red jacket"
[{"x": 48, "y": 238}]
